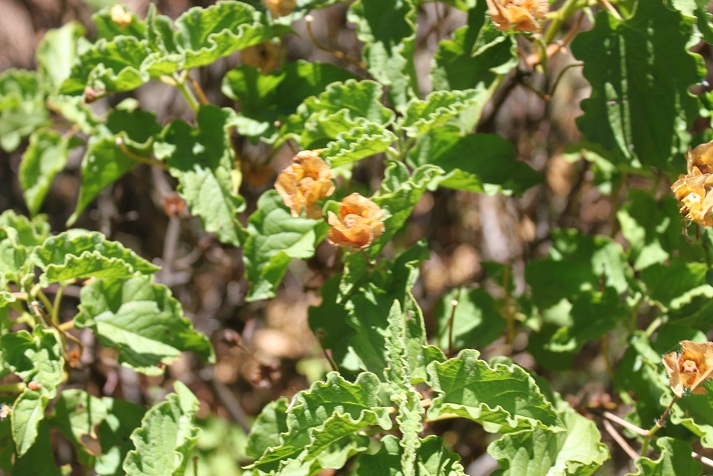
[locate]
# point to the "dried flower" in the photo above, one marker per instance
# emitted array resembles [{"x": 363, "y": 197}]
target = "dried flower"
[
  {"x": 694, "y": 190},
  {"x": 359, "y": 222},
  {"x": 280, "y": 8},
  {"x": 521, "y": 15},
  {"x": 265, "y": 56},
  {"x": 303, "y": 183},
  {"x": 690, "y": 368},
  {"x": 120, "y": 16}
]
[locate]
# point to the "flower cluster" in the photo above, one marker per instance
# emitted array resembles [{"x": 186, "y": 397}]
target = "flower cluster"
[
  {"x": 358, "y": 224},
  {"x": 694, "y": 190},
  {"x": 521, "y": 15},
  {"x": 690, "y": 368}
]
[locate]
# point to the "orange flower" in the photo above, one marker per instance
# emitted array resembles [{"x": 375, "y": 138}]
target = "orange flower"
[
  {"x": 120, "y": 16},
  {"x": 359, "y": 222},
  {"x": 521, "y": 15},
  {"x": 280, "y": 8},
  {"x": 303, "y": 183},
  {"x": 265, "y": 56},
  {"x": 694, "y": 191},
  {"x": 690, "y": 368}
]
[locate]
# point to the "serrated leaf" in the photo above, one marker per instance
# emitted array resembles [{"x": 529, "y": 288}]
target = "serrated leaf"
[
  {"x": 477, "y": 321},
  {"x": 676, "y": 284},
  {"x": 108, "y": 29},
  {"x": 44, "y": 158},
  {"x": 477, "y": 54},
  {"x": 22, "y": 108},
  {"x": 18, "y": 237},
  {"x": 56, "y": 54},
  {"x": 502, "y": 398},
  {"x": 675, "y": 458},
  {"x": 266, "y": 98},
  {"x": 439, "y": 107},
  {"x": 697, "y": 11},
  {"x": 206, "y": 34},
  {"x": 327, "y": 412},
  {"x": 141, "y": 320},
  {"x": 432, "y": 459},
  {"x": 78, "y": 414},
  {"x": 640, "y": 106},
  {"x": 109, "y": 66},
  {"x": 39, "y": 459},
  {"x": 540, "y": 451},
  {"x": 267, "y": 428},
  {"x": 387, "y": 29},
  {"x": 202, "y": 160},
  {"x": 83, "y": 254},
  {"x": 357, "y": 143},
  {"x": 166, "y": 438},
  {"x": 474, "y": 162},
  {"x": 274, "y": 237}
]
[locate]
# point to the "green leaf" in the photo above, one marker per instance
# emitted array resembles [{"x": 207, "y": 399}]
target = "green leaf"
[
  {"x": 18, "y": 237},
  {"x": 266, "y": 98},
  {"x": 357, "y": 143},
  {"x": 166, "y": 438},
  {"x": 432, "y": 459},
  {"x": 675, "y": 458},
  {"x": 142, "y": 321},
  {"x": 651, "y": 227},
  {"x": 696, "y": 11},
  {"x": 677, "y": 284},
  {"x": 77, "y": 414},
  {"x": 502, "y": 398},
  {"x": 477, "y": 321},
  {"x": 326, "y": 413},
  {"x": 477, "y": 55},
  {"x": 22, "y": 107},
  {"x": 274, "y": 237},
  {"x": 39, "y": 459},
  {"x": 387, "y": 29},
  {"x": 83, "y": 254},
  {"x": 107, "y": 29},
  {"x": 109, "y": 66},
  {"x": 640, "y": 106},
  {"x": 56, "y": 54},
  {"x": 474, "y": 162},
  {"x": 44, "y": 158},
  {"x": 114, "y": 435},
  {"x": 267, "y": 428},
  {"x": 202, "y": 160},
  {"x": 541, "y": 451},
  {"x": 206, "y": 34},
  {"x": 439, "y": 107}
]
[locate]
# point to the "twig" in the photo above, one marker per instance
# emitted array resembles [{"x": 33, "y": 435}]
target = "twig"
[
  {"x": 454, "y": 305},
  {"x": 144, "y": 160},
  {"x": 339, "y": 54},
  {"x": 549, "y": 95},
  {"x": 620, "y": 440},
  {"x": 199, "y": 91},
  {"x": 227, "y": 398},
  {"x": 610, "y": 8},
  {"x": 625, "y": 424},
  {"x": 40, "y": 313},
  {"x": 703, "y": 459}
]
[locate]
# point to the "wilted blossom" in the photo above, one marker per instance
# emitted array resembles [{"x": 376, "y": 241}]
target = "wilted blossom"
[
  {"x": 521, "y": 15},
  {"x": 307, "y": 180},
  {"x": 120, "y": 16},
  {"x": 280, "y": 8},
  {"x": 265, "y": 56},
  {"x": 694, "y": 191},
  {"x": 690, "y": 368},
  {"x": 358, "y": 224}
]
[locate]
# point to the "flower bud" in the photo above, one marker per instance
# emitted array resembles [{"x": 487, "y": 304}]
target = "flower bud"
[
  {"x": 280, "y": 8},
  {"x": 303, "y": 183},
  {"x": 265, "y": 56},
  {"x": 120, "y": 16},
  {"x": 358, "y": 224},
  {"x": 521, "y": 15}
]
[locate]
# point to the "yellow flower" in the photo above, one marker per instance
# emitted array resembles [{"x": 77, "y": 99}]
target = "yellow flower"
[
  {"x": 280, "y": 8},
  {"x": 359, "y": 222},
  {"x": 265, "y": 56},
  {"x": 694, "y": 191},
  {"x": 521, "y": 15},
  {"x": 690, "y": 368},
  {"x": 303, "y": 183},
  {"x": 120, "y": 16}
]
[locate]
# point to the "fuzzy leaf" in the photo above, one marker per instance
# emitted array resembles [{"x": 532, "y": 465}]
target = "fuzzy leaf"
[
  {"x": 675, "y": 458},
  {"x": 502, "y": 398},
  {"x": 22, "y": 107},
  {"x": 142, "y": 321},
  {"x": 166, "y": 438},
  {"x": 44, "y": 158},
  {"x": 357, "y": 143},
  {"x": 274, "y": 237},
  {"x": 640, "y": 106},
  {"x": 202, "y": 160},
  {"x": 439, "y": 107},
  {"x": 83, "y": 254},
  {"x": 432, "y": 459},
  {"x": 676, "y": 284},
  {"x": 267, "y": 428},
  {"x": 56, "y": 54},
  {"x": 39, "y": 459}
]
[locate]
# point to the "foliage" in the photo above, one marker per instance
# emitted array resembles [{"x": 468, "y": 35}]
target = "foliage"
[{"x": 637, "y": 282}]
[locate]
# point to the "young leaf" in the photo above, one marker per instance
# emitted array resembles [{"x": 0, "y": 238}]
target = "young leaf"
[
  {"x": 675, "y": 458},
  {"x": 357, "y": 143},
  {"x": 81, "y": 254},
  {"x": 432, "y": 459},
  {"x": 387, "y": 29},
  {"x": 439, "y": 107},
  {"x": 202, "y": 160},
  {"x": 640, "y": 106},
  {"x": 141, "y": 320},
  {"x": 44, "y": 158},
  {"x": 56, "y": 54},
  {"x": 274, "y": 237},
  {"x": 502, "y": 398},
  {"x": 108, "y": 29},
  {"x": 18, "y": 237},
  {"x": 166, "y": 438},
  {"x": 22, "y": 108},
  {"x": 542, "y": 451},
  {"x": 267, "y": 428}
]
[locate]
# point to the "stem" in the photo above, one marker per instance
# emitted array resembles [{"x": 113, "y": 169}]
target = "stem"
[
  {"x": 625, "y": 424},
  {"x": 56, "y": 303},
  {"x": 508, "y": 315},
  {"x": 657, "y": 426},
  {"x": 560, "y": 16},
  {"x": 454, "y": 305},
  {"x": 620, "y": 440},
  {"x": 12, "y": 388},
  {"x": 610, "y": 8},
  {"x": 66, "y": 326},
  {"x": 138, "y": 158},
  {"x": 199, "y": 91},
  {"x": 339, "y": 54},
  {"x": 187, "y": 94},
  {"x": 46, "y": 303}
]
